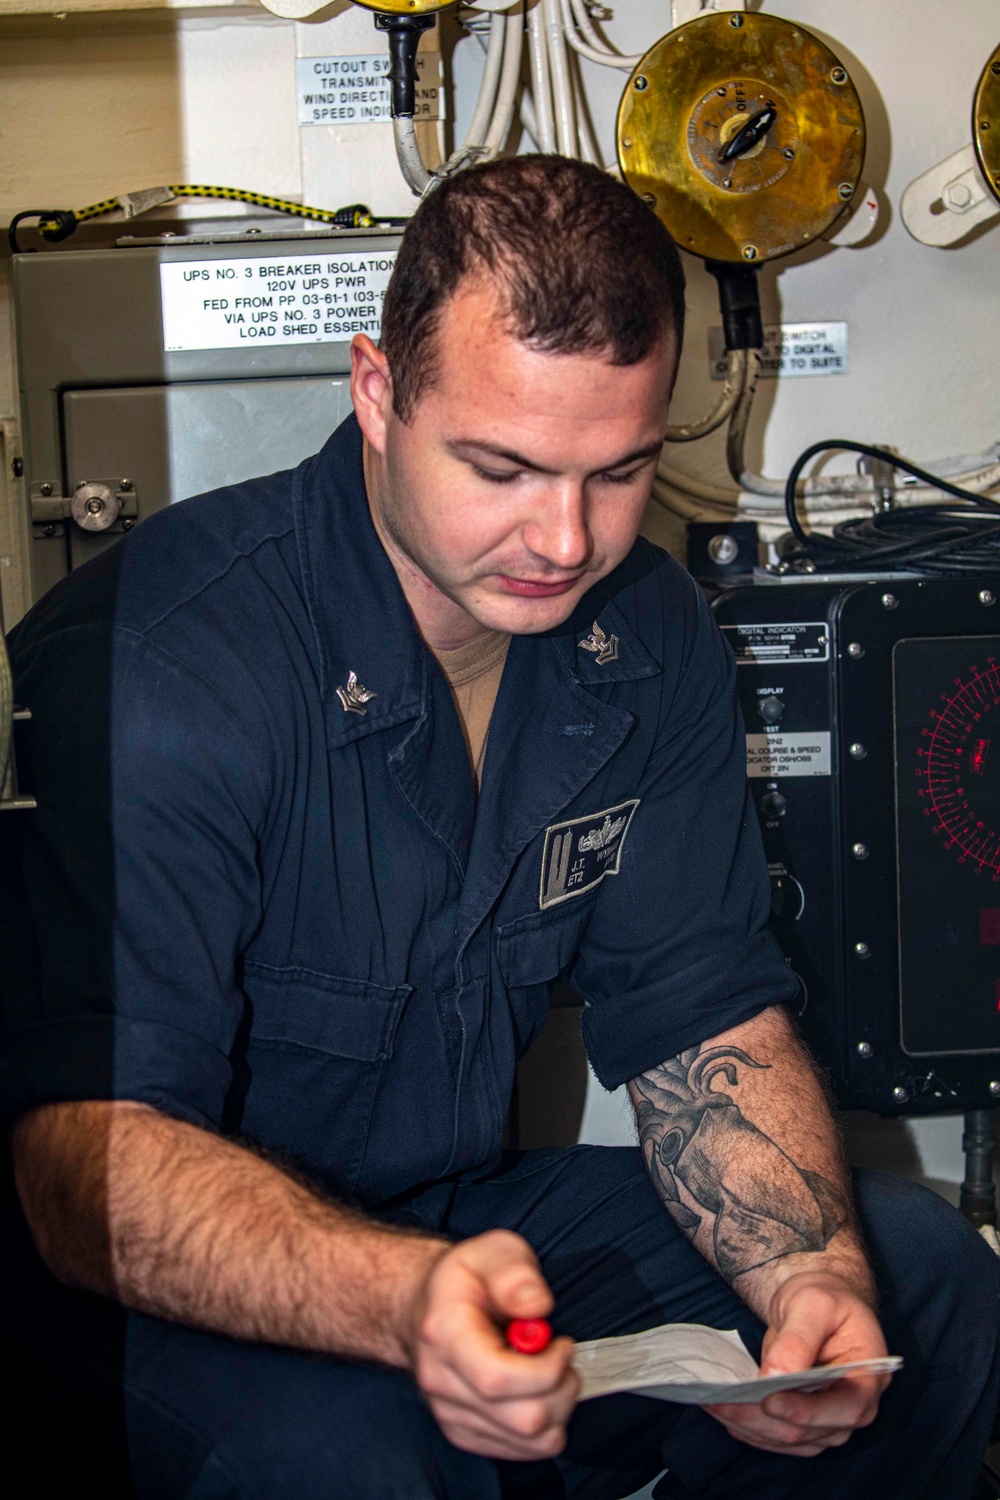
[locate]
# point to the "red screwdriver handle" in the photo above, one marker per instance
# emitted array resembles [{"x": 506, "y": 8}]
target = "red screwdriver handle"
[{"x": 529, "y": 1335}]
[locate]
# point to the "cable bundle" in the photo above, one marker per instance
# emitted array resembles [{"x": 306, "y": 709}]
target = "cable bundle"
[{"x": 957, "y": 536}]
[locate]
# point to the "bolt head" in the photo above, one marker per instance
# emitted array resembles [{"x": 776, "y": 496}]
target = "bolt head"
[
  {"x": 860, "y": 851},
  {"x": 987, "y": 597},
  {"x": 125, "y": 484},
  {"x": 856, "y": 650},
  {"x": 788, "y": 153},
  {"x": 995, "y": 1087},
  {"x": 45, "y": 489},
  {"x": 749, "y": 252},
  {"x": 48, "y": 529},
  {"x": 900, "y": 1094},
  {"x": 864, "y": 1049},
  {"x": 95, "y": 505},
  {"x": 862, "y": 950},
  {"x": 648, "y": 198},
  {"x": 736, "y": 21},
  {"x": 995, "y": 68},
  {"x": 889, "y": 601},
  {"x": 722, "y": 92},
  {"x": 845, "y": 191},
  {"x": 641, "y": 83},
  {"x": 128, "y": 523},
  {"x": 839, "y": 75},
  {"x": 858, "y": 751}
]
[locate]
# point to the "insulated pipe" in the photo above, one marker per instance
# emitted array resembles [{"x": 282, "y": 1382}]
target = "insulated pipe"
[
  {"x": 541, "y": 88},
  {"x": 562, "y": 84}
]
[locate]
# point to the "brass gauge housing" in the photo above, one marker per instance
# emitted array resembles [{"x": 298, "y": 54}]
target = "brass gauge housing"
[
  {"x": 406, "y": 7},
  {"x": 744, "y": 133},
  {"x": 986, "y": 123}
]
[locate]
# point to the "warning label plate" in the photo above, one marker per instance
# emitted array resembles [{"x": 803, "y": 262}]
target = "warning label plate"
[
  {"x": 755, "y": 645},
  {"x": 355, "y": 90},
  {"x": 774, "y": 755},
  {"x": 309, "y": 298},
  {"x": 790, "y": 349}
]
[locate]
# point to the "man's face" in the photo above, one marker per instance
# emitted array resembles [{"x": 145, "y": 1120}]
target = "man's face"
[{"x": 521, "y": 477}]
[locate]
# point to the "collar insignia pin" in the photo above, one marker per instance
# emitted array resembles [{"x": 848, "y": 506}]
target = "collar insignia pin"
[
  {"x": 354, "y": 696},
  {"x": 604, "y": 647}
]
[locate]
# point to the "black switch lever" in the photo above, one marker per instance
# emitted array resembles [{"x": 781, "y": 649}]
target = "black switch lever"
[{"x": 754, "y": 130}]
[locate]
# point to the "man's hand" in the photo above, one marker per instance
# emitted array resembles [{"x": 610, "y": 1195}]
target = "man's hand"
[
  {"x": 815, "y": 1318},
  {"x": 485, "y": 1397}
]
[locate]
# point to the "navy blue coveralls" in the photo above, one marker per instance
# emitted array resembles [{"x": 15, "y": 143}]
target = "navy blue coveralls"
[{"x": 251, "y": 905}]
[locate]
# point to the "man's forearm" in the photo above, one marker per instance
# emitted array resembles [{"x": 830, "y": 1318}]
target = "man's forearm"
[
  {"x": 174, "y": 1221},
  {"x": 745, "y": 1154}
]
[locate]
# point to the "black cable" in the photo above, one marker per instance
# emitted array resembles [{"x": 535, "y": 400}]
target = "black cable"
[
  {"x": 60, "y": 223},
  {"x": 946, "y": 538}
]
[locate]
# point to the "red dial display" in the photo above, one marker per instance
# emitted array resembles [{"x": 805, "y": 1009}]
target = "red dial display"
[{"x": 958, "y": 768}]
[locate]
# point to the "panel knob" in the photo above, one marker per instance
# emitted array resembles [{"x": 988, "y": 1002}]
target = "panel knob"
[
  {"x": 771, "y": 709},
  {"x": 788, "y": 899}
]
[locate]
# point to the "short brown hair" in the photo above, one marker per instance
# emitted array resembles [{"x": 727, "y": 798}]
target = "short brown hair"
[{"x": 581, "y": 264}]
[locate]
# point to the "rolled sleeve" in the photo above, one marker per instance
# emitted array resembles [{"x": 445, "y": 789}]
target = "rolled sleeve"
[
  {"x": 677, "y": 950},
  {"x": 134, "y": 886}
]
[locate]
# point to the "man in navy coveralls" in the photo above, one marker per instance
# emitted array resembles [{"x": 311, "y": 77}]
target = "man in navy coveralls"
[{"x": 287, "y": 916}]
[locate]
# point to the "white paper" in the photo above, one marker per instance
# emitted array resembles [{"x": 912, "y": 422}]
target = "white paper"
[{"x": 694, "y": 1365}]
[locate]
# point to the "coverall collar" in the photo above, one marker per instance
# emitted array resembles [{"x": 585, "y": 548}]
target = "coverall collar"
[{"x": 365, "y": 626}]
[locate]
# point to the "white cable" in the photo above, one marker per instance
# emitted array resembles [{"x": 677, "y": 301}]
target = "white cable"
[
  {"x": 483, "y": 111},
  {"x": 562, "y": 84},
  {"x": 588, "y": 146},
  {"x": 574, "y": 15},
  {"x": 541, "y": 88},
  {"x": 732, "y": 389},
  {"x": 411, "y": 163},
  {"x": 510, "y": 81}
]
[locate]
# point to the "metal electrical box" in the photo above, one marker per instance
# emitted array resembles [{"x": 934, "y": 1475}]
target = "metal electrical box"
[
  {"x": 154, "y": 371},
  {"x": 871, "y": 709}
]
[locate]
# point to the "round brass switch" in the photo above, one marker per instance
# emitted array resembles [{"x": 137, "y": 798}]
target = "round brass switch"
[{"x": 746, "y": 139}]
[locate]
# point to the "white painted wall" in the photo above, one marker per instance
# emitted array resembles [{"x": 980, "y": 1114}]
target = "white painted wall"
[{"x": 93, "y": 105}]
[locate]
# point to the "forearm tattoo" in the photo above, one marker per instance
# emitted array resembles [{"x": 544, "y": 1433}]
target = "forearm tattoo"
[{"x": 760, "y": 1203}]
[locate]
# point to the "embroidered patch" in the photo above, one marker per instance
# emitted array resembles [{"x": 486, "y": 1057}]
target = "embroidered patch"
[{"x": 577, "y": 855}]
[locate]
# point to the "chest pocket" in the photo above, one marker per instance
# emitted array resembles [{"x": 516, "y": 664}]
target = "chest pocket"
[
  {"x": 531, "y": 953},
  {"x": 317, "y": 1047}
]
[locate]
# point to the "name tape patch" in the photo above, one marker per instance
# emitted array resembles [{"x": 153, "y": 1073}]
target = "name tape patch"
[{"x": 578, "y": 854}]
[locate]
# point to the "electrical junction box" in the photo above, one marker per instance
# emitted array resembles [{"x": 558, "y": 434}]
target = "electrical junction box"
[
  {"x": 161, "y": 369},
  {"x": 871, "y": 708}
]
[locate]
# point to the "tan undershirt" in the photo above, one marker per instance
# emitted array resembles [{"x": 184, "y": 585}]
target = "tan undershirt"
[{"x": 473, "y": 674}]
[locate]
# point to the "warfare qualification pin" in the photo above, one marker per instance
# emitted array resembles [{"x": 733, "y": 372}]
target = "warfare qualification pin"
[
  {"x": 354, "y": 696},
  {"x": 604, "y": 647}
]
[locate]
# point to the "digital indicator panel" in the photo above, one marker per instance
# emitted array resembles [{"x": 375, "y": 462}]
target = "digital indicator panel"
[{"x": 946, "y": 700}]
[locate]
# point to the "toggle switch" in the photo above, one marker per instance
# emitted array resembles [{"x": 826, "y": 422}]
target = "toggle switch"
[
  {"x": 771, "y": 708},
  {"x": 773, "y": 805}
]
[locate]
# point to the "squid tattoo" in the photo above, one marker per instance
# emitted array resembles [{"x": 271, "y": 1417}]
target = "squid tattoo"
[{"x": 763, "y": 1205}]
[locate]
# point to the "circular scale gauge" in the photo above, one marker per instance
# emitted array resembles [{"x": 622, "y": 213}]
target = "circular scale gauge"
[
  {"x": 745, "y": 135},
  {"x": 958, "y": 768}
]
